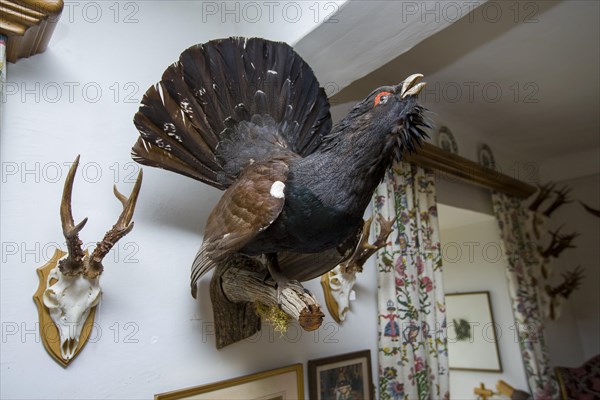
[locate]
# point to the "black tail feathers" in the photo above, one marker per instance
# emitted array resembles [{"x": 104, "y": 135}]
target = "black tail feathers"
[{"x": 222, "y": 91}]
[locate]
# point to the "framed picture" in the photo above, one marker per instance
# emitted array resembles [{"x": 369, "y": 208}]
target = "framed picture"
[
  {"x": 279, "y": 384},
  {"x": 342, "y": 377},
  {"x": 472, "y": 339}
]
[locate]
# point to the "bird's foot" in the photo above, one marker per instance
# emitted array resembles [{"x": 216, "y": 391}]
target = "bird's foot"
[{"x": 281, "y": 283}]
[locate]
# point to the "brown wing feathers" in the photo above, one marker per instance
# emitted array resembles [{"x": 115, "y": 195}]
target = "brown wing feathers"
[{"x": 247, "y": 207}]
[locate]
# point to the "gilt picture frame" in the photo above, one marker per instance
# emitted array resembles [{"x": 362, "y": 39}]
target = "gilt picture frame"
[
  {"x": 285, "y": 383},
  {"x": 472, "y": 333},
  {"x": 345, "y": 376}
]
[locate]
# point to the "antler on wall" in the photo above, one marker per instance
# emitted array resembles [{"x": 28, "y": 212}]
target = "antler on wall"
[
  {"x": 589, "y": 209},
  {"x": 123, "y": 226},
  {"x": 551, "y": 297},
  {"x": 558, "y": 243},
  {"x": 571, "y": 281},
  {"x": 70, "y": 288},
  {"x": 562, "y": 197},
  {"x": 364, "y": 249},
  {"x": 543, "y": 193}
]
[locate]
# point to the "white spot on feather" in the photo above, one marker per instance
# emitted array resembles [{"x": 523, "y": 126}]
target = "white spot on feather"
[
  {"x": 185, "y": 106},
  {"x": 169, "y": 127},
  {"x": 277, "y": 189},
  {"x": 270, "y": 71},
  {"x": 160, "y": 92}
]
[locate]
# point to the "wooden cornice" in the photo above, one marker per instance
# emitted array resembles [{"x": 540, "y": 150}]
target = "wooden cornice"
[
  {"x": 432, "y": 157},
  {"x": 28, "y": 25}
]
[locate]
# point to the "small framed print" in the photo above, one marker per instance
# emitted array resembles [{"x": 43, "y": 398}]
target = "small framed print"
[
  {"x": 446, "y": 140},
  {"x": 342, "y": 377},
  {"x": 486, "y": 157},
  {"x": 279, "y": 384},
  {"x": 472, "y": 339}
]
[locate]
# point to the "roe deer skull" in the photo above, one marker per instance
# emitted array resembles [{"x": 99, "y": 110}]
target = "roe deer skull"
[
  {"x": 338, "y": 283},
  {"x": 73, "y": 286}
]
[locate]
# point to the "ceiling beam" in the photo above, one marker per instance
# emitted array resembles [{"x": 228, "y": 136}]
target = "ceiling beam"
[{"x": 364, "y": 35}]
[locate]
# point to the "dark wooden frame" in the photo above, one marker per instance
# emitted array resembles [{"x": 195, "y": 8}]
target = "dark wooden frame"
[
  {"x": 430, "y": 156},
  {"x": 313, "y": 390},
  {"x": 211, "y": 387},
  {"x": 489, "y": 303}
]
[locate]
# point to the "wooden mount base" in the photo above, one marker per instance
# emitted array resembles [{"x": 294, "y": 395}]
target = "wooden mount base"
[
  {"x": 237, "y": 284},
  {"x": 48, "y": 330}
]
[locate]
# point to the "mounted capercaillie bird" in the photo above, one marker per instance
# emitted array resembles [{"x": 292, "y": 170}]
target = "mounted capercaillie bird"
[{"x": 248, "y": 116}]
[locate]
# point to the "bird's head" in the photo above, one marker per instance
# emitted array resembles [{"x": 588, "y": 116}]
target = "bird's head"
[
  {"x": 394, "y": 110},
  {"x": 389, "y": 115}
]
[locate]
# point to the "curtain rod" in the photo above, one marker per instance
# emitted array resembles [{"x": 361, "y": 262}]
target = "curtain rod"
[{"x": 433, "y": 157}]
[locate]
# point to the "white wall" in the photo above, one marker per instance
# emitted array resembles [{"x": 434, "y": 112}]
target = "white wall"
[
  {"x": 573, "y": 338},
  {"x": 152, "y": 336},
  {"x": 472, "y": 263}
]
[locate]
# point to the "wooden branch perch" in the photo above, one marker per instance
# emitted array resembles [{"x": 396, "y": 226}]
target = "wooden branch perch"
[{"x": 237, "y": 284}]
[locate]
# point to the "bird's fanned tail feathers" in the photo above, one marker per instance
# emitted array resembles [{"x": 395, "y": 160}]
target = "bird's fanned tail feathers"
[{"x": 205, "y": 98}]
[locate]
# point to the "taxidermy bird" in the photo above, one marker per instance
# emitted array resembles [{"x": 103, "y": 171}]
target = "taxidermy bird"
[{"x": 247, "y": 116}]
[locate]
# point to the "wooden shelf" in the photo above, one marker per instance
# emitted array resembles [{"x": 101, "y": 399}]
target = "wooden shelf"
[
  {"x": 28, "y": 25},
  {"x": 430, "y": 156}
]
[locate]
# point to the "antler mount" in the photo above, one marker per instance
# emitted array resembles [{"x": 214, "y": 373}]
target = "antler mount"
[{"x": 76, "y": 262}]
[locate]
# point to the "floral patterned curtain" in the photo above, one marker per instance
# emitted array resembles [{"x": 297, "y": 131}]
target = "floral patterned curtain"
[
  {"x": 524, "y": 263},
  {"x": 413, "y": 355}
]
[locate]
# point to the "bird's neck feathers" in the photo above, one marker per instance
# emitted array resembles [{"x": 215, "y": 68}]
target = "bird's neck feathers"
[{"x": 356, "y": 154}]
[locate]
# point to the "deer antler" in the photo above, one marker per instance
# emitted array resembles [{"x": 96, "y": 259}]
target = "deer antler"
[
  {"x": 558, "y": 243},
  {"x": 72, "y": 265},
  {"x": 123, "y": 226},
  {"x": 364, "y": 249},
  {"x": 562, "y": 197},
  {"x": 543, "y": 193},
  {"x": 571, "y": 282},
  {"x": 589, "y": 209}
]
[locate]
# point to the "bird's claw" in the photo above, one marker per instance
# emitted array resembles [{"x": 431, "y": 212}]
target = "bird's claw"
[{"x": 284, "y": 283}]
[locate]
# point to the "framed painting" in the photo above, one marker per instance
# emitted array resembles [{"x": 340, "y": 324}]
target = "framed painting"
[
  {"x": 342, "y": 377},
  {"x": 279, "y": 384},
  {"x": 472, "y": 338}
]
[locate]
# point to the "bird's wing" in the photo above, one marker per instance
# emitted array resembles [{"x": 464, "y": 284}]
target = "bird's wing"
[
  {"x": 221, "y": 88},
  {"x": 246, "y": 208},
  {"x": 306, "y": 266}
]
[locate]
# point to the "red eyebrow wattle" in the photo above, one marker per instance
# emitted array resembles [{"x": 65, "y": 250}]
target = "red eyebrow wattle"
[{"x": 378, "y": 97}]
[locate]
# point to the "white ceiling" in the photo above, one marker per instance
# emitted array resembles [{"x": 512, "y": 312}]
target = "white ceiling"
[
  {"x": 546, "y": 64},
  {"x": 363, "y": 35}
]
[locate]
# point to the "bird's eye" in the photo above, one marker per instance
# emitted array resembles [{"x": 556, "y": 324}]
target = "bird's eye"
[{"x": 382, "y": 98}]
